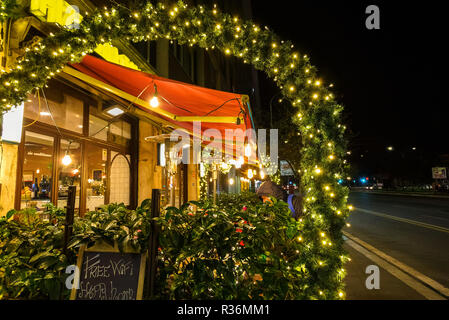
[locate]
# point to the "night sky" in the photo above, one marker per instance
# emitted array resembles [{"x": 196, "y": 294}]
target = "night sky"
[{"x": 392, "y": 81}]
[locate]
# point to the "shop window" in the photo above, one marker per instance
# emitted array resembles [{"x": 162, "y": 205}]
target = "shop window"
[
  {"x": 69, "y": 171},
  {"x": 67, "y": 114},
  {"x": 37, "y": 170},
  {"x": 96, "y": 176},
  {"x": 98, "y": 128},
  {"x": 120, "y": 178}
]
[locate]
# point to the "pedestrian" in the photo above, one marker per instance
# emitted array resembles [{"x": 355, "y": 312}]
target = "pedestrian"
[{"x": 270, "y": 189}]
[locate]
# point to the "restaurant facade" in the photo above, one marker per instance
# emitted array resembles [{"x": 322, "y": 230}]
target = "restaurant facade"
[{"x": 93, "y": 125}]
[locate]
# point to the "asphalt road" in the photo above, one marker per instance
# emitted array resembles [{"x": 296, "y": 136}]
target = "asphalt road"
[{"x": 413, "y": 230}]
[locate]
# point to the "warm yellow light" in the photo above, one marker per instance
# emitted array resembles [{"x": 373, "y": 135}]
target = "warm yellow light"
[
  {"x": 332, "y": 157},
  {"x": 326, "y": 187},
  {"x": 38, "y": 171},
  {"x": 66, "y": 160},
  {"x": 250, "y": 174},
  {"x": 154, "y": 102},
  {"x": 315, "y": 96},
  {"x": 340, "y": 294},
  {"x": 350, "y": 207},
  {"x": 318, "y": 170},
  {"x": 231, "y": 181},
  {"x": 262, "y": 174},
  {"x": 248, "y": 150},
  {"x": 228, "y": 51},
  {"x": 317, "y": 83}
]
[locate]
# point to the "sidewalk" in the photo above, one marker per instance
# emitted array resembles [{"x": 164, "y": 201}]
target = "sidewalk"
[{"x": 391, "y": 288}]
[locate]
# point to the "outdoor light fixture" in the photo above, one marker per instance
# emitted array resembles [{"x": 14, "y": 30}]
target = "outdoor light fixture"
[
  {"x": 154, "y": 102},
  {"x": 250, "y": 174},
  {"x": 114, "y": 111},
  {"x": 231, "y": 181},
  {"x": 12, "y": 124}
]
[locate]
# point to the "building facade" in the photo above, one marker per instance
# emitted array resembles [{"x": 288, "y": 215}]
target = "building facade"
[{"x": 70, "y": 139}]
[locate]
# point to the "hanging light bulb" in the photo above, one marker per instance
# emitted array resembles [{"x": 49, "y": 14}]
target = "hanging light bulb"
[
  {"x": 154, "y": 102},
  {"x": 67, "y": 160}
]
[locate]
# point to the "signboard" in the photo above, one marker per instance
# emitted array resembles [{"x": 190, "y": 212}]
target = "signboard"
[
  {"x": 439, "y": 173},
  {"x": 286, "y": 170},
  {"x": 107, "y": 274}
]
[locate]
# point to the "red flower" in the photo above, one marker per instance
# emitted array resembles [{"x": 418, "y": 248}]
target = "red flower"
[
  {"x": 239, "y": 230},
  {"x": 245, "y": 208},
  {"x": 242, "y": 243}
]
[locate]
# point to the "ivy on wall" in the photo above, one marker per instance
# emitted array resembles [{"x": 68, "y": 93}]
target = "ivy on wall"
[{"x": 317, "y": 117}]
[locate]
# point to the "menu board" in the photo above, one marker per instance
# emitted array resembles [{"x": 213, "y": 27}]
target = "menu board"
[{"x": 107, "y": 274}]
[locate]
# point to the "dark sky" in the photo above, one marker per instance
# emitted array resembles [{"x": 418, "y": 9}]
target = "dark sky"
[{"x": 392, "y": 81}]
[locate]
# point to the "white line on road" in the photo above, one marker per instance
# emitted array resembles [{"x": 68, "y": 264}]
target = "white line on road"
[
  {"x": 417, "y": 223},
  {"x": 406, "y": 274}
]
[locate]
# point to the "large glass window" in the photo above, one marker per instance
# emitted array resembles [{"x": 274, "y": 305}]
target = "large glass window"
[
  {"x": 114, "y": 130},
  {"x": 120, "y": 178},
  {"x": 37, "y": 170},
  {"x": 96, "y": 176},
  {"x": 69, "y": 171},
  {"x": 67, "y": 113}
]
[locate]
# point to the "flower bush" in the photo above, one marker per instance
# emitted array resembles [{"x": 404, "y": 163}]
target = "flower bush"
[
  {"x": 239, "y": 249},
  {"x": 32, "y": 262}
]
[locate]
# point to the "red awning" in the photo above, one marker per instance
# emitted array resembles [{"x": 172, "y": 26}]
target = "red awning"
[{"x": 177, "y": 98}]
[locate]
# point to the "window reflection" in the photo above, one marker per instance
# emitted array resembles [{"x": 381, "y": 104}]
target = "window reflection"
[
  {"x": 96, "y": 170},
  {"x": 69, "y": 172},
  {"x": 37, "y": 170}
]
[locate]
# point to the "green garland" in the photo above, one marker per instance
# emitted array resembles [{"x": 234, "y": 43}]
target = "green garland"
[
  {"x": 8, "y": 9},
  {"x": 318, "y": 117}
]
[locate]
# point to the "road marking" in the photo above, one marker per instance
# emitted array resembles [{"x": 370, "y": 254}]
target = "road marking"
[
  {"x": 403, "y": 272},
  {"x": 417, "y": 223}
]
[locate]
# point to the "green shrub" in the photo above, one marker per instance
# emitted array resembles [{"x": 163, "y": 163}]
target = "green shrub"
[{"x": 242, "y": 249}]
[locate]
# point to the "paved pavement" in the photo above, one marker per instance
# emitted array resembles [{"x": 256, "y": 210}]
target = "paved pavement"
[{"x": 407, "y": 237}]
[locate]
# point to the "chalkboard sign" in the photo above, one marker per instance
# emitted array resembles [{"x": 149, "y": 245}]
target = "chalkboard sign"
[{"x": 107, "y": 274}]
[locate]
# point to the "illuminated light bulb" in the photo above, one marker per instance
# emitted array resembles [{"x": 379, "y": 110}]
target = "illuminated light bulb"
[
  {"x": 275, "y": 70},
  {"x": 262, "y": 174},
  {"x": 75, "y": 171},
  {"x": 38, "y": 171},
  {"x": 348, "y": 225},
  {"x": 340, "y": 294},
  {"x": 154, "y": 102},
  {"x": 317, "y": 83},
  {"x": 250, "y": 174},
  {"x": 332, "y": 195},
  {"x": 332, "y": 157},
  {"x": 315, "y": 96},
  {"x": 350, "y": 207},
  {"x": 299, "y": 239},
  {"x": 317, "y": 170},
  {"x": 326, "y": 187},
  {"x": 218, "y": 26},
  {"x": 228, "y": 51},
  {"x": 307, "y": 70},
  {"x": 322, "y": 234},
  {"x": 292, "y": 88},
  {"x": 324, "y": 242},
  {"x": 67, "y": 160},
  {"x": 231, "y": 181},
  {"x": 320, "y": 263}
]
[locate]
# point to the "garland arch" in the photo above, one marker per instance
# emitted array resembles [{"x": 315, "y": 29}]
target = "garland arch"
[{"x": 318, "y": 117}]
